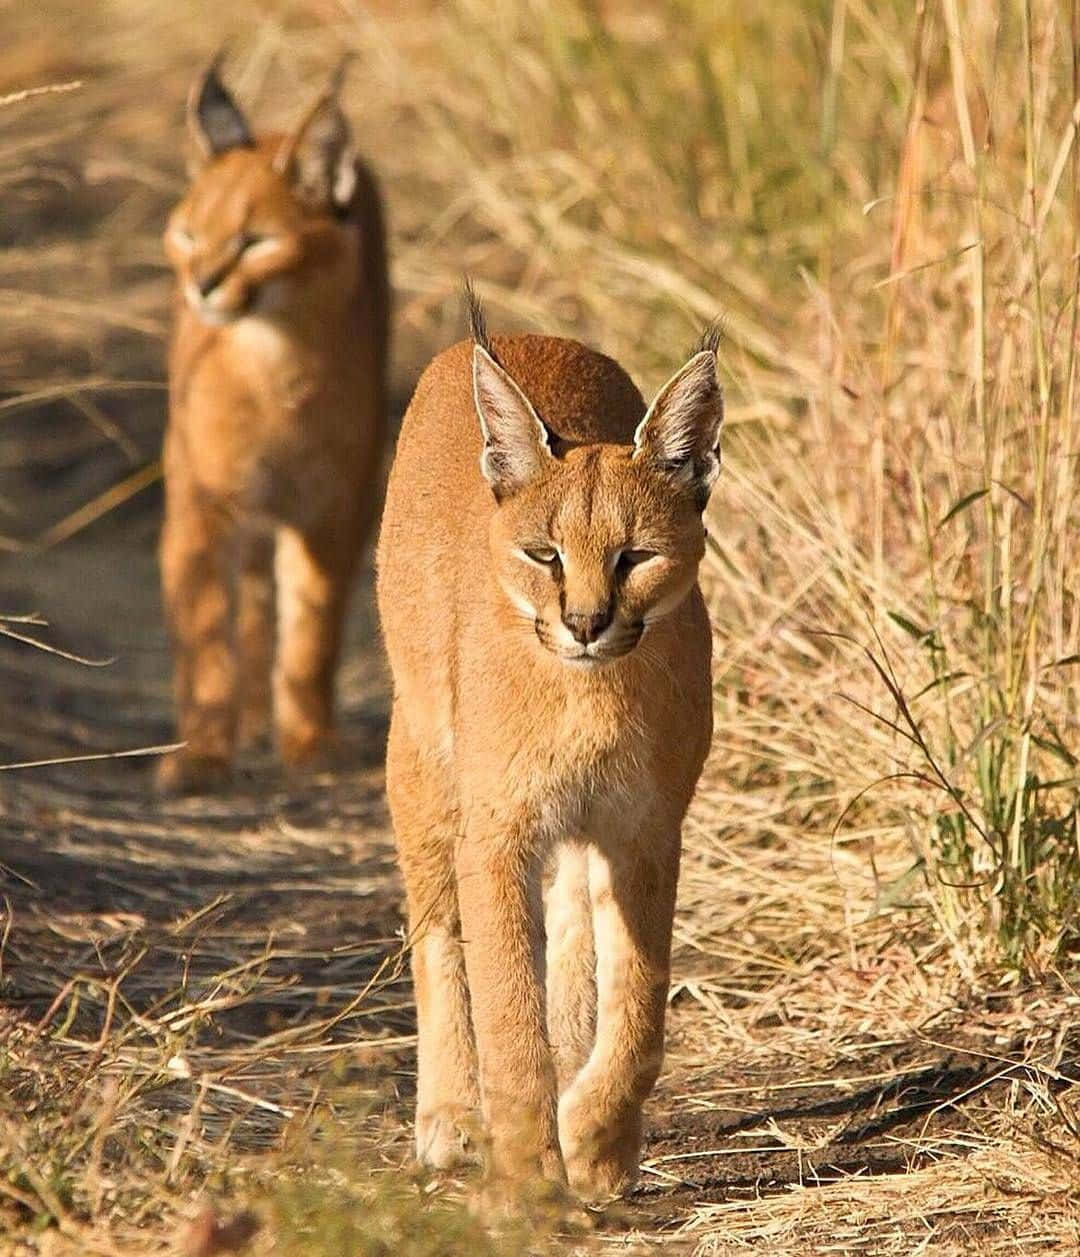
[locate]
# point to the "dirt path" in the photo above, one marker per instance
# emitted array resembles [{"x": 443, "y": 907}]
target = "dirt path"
[{"x": 265, "y": 913}]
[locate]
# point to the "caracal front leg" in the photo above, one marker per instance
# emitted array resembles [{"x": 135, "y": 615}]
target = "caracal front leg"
[
  {"x": 632, "y": 889},
  {"x": 499, "y": 895},
  {"x": 313, "y": 573},
  {"x": 571, "y": 961},
  {"x": 255, "y": 635},
  {"x": 197, "y": 590},
  {"x": 427, "y": 828}
]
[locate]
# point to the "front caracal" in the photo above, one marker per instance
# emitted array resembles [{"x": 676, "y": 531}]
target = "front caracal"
[
  {"x": 276, "y": 427},
  {"x": 550, "y": 649}
]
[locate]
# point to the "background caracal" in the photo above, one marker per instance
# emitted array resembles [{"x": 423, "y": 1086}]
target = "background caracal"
[
  {"x": 537, "y": 584},
  {"x": 275, "y": 435}
]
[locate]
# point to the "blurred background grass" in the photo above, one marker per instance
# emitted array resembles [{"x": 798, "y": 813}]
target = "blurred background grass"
[{"x": 882, "y": 202}]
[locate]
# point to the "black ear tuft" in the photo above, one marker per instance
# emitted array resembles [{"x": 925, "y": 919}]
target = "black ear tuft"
[
  {"x": 474, "y": 309},
  {"x": 711, "y": 336},
  {"x": 214, "y": 118},
  {"x": 337, "y": 78}
]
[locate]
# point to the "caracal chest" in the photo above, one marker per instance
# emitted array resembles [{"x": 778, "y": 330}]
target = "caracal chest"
[
  {"x": 266, "y": 421},
  {"x": 569, "y": 754}
]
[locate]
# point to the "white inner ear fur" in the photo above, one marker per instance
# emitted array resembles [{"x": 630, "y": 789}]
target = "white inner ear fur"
[
  {"x": 322, "y": 150},
  {"x": 345, "y": 178},
  {"x": 683, "y": 423},
  {"x": 515, "y": 439}
]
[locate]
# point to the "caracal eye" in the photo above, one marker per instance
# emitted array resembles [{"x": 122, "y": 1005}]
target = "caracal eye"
[
  {"x": 634, "y": 558},
  {"x": 252, "y": 242},
  {"x": 548, "y": 556}
]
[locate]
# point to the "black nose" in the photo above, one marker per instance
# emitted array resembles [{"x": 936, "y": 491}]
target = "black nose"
[{"x": 587, "y": 628}]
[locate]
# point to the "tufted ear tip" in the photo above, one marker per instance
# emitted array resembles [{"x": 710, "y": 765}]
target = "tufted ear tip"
[
  {"x": 517, "y": 444},
  {"x": 319, "y": 156},
  {"x": 680, "y": 433}
]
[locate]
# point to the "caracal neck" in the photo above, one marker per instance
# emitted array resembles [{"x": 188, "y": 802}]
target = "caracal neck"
[
  {"x": 274, "y": 338},
  {"x": 264, "y": 337}
]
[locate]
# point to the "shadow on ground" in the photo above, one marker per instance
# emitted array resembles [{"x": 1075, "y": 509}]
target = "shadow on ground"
[{"x": 222, "y": 933}]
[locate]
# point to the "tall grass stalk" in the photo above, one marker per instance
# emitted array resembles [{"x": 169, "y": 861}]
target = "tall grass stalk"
[{"x": 1010, "y": 838}]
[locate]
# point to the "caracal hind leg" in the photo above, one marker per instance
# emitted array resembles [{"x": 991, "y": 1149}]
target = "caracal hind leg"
[
  {"x": 255, "y": 635},
  {"x": 499, "y": 893},
  {"x": 633, "y": 902},
  {"x": 313, "y": 574},
  {"x": 426, "y": 829},
  {"x": 197, "y": 591},
  {"x": 571, "y": 962}
]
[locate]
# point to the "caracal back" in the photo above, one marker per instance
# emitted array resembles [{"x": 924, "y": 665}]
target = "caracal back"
[
  {"x": 550, "y": 649},
  {"x": 275, "y": 437}
]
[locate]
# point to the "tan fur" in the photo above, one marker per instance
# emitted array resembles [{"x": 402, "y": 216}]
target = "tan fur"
[
  {"x": 515, "y": 761},
  {"x": 276, "y": 428}
]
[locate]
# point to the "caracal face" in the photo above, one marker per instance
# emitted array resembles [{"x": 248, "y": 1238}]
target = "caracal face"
[
  {"x": 260, "y": 231},
  {"x": 594, "y": 544},
  {"x": 595, "y": 552},
  {"x": 237, "y": 239}
]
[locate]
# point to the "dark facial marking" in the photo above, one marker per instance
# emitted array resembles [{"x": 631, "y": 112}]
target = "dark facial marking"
[{"x": 588, "y": 469}]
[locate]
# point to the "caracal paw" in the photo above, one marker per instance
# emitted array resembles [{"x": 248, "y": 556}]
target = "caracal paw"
[
  {"x": 185, "y": 773},
  {"x": 448, "y": 1138},
  {"x": 306, "y": 750},
  {"x": 602, "y": 1154}
]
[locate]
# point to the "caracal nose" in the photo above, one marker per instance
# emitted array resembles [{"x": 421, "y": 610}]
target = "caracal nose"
[{"x": 586, "y": 627}]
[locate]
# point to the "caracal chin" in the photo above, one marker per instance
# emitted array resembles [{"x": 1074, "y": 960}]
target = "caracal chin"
[
  {"x": 276, "y": 427},
  {"x": 538, "y": 590}
]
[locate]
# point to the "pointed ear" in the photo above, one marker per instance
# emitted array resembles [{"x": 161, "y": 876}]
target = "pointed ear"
[
  {"x": 517, "y": 445},
  {"x": 319, "y": 157},
  {"x": 214, "y": 119},
  {"x": 680, "y": 434}
]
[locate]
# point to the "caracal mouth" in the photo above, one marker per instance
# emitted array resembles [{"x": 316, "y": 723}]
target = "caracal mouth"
[
  {"x": 599, "y": 654},
  {"x": 587, "y": 662},
  {"x": 212, "y": 316}
]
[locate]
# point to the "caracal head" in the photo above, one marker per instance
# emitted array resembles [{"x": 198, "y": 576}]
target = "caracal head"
[
  {"x": 593, "y": 544},
  {"x": 260, "y": 230}
]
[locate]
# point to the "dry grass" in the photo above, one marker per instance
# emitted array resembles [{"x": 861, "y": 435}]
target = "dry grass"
[{"x": 874, "y": 1038}]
